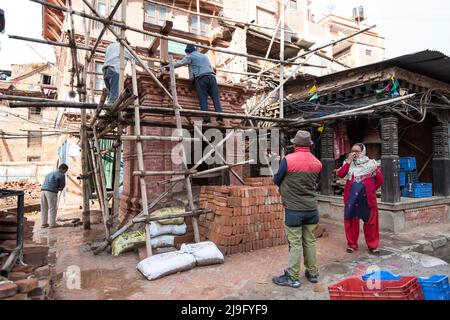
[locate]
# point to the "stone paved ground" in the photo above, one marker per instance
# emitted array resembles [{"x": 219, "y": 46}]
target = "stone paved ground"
[{"x": 242, "y": 276}]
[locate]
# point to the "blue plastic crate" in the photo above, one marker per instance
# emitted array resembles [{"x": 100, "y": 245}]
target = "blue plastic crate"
[
  {"x": 435, "y": 287},
  {"x": 419, "y": 190},
  {"x": 408, "y": 163},
  {"x": 381, "y": 275},
  {"x": 402, "y": 176}
]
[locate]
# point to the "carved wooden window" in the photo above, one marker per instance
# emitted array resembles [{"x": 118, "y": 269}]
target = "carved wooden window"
[{"x": 204, "y": 25}]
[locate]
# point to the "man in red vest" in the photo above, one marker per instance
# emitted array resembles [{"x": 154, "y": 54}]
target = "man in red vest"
[{"x": 297, "y": 178}]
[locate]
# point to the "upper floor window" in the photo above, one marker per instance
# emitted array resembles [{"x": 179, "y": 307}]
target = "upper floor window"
[
  {"x": 265, "y": 17},
  {"x": 46, "y": 79},
  {"x": 35, "y": 113},
  {"x": 101, "y": 9},
  {"x": 34, "y": 139},
  {"x": 155, "y": 14},
  {"x": 99, "y": 76},
  {"x": 293, "y": 4},
  {"x": 368, "y": 52},
  {"x": 204, "y": 25},
  {"x": 102, "y": 6}
]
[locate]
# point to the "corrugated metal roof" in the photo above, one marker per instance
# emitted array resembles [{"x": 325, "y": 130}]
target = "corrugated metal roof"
[{"x": 433, "y": 64}]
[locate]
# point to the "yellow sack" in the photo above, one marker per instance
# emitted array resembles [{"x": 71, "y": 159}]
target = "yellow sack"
[
  {"x": 169, "y": 211},
  {"x": 127, "y": 241}
]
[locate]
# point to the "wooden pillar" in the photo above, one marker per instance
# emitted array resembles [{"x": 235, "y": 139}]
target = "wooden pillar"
[
  {"x": 327, "y": 159},
  {"x": 390, "y": 160},
  {"x": 441, "y": 160}
]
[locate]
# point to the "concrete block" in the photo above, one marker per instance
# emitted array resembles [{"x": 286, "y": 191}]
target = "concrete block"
[{"x": 439, "y": 242}]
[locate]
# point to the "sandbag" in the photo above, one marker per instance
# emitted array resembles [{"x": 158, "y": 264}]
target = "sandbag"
[
  {"x": 163, "y": 241},
  {"x": 129, "y": 240},
  {"x": 169, "y": 211},
  {"x": 205, "y": 253},
  {"x": 163, "y": 264},
  {"x": 157, "y": 229}
]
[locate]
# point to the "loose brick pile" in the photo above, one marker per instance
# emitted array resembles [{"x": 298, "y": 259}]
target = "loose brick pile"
[
  {"x": 243, "y": 218},
  {"x": 34, "y": 281},
  {"x": 32, "y": 192},
  {"x": 8, "y": 227}
]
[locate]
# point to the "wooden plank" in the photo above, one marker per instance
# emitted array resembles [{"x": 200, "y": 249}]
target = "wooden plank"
[{"x": 166, "y": 28}]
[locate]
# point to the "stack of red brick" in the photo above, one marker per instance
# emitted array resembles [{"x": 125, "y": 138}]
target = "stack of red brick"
[
  {"x": 32, "y": 192},
  {"x": 8, "y": 227},
  {"x": 33, "y": 281},
  {"x": 243, "y": 218}
]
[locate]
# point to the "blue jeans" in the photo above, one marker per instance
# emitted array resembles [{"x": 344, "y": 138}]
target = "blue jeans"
[
  {"x": 207, "y": 86},
  {"x": 111, "y": 78}
]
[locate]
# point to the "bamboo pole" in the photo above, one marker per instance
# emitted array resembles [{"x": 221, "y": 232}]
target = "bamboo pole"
[
  {"x": 118, "y": 151},
  {"x": 157, "y": 138},
  {"x": 281, "y": 92},
  {"x": 187, "y": 179},
  {"x": 102, "y": 184},
  {"x": 163, "y": 173},
  {"x": 202, "y": 173},
  {"x": 99, "y": 37},
  {"x": 84, "y": 142},
  {"x": 140, "y": 157},
  {"x": 173, "y": 216}
]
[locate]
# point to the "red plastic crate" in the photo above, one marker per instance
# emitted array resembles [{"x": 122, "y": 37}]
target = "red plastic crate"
[{"x": 407, "y": 288}]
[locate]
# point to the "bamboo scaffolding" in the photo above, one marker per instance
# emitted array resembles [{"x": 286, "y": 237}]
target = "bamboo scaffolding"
[
  {"x": 140, "y": 157},
  {"x": 205, "y": 172},
  {"x": 97, "y": 17},
  {"x": 212, "y": 16},
  {"x": 187, "y": 179}
]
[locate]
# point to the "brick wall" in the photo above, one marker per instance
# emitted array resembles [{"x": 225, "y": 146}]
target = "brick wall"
[
  {"x": 157, "y": 154},
  {"x": 426, "y": 215}
]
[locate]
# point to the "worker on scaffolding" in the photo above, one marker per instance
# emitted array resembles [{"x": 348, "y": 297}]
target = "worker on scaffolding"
[
  {"x": 111, "y": 69},
  {"x": 54, "y": 182},
  {"x": 202, "y": 75}
]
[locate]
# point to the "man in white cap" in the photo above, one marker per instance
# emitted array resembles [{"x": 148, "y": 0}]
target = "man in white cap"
[{"x": 296, "y": 177}]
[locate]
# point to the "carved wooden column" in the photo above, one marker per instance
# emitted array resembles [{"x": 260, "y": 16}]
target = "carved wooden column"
[
  {"x": 390, "y": 160},
  {"x": 327, "y": 159},
  {"x": 441, "y": 160}
]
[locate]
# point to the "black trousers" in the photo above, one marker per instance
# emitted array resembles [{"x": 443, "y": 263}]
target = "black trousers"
[{"x": 205, "y": 86}]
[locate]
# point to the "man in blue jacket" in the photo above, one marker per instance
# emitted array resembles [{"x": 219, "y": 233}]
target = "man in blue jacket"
[
  {"x": 203, "y": 76},
  {"x": 296, "y": 177},
  {"x": 54, "y": 181}
]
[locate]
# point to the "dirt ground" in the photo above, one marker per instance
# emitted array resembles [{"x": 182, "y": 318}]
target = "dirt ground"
[{"x": 242, "y": 276}]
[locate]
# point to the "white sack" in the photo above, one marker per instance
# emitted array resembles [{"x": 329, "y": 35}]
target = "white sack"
[
  {"x": 163, "y": 264},
  {"x": 205, "y": 253},
  {"x": 157, "y": 229}
]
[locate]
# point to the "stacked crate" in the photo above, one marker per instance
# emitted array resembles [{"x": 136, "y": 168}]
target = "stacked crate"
[
  {"x": 409, "y": 182},
  {"x": 243, "y": 218}
]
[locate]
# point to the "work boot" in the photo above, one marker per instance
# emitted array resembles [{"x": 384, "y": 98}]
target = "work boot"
[
  {"x": 310, "y": 278},
  {"x": 45, "y": 225},
  {"x": 286, "y": 280}
]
